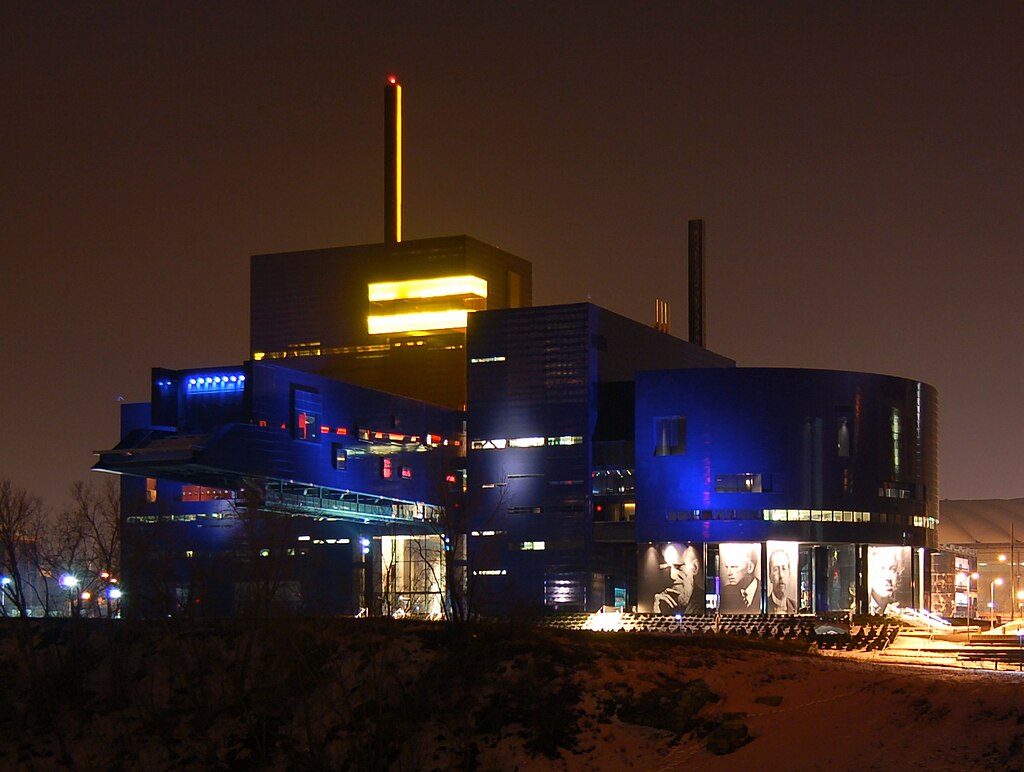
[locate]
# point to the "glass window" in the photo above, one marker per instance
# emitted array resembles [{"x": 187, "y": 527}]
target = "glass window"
[
  {"x": 306, "y": 410},
  {"x": 670, "y": 435},
  {"x": 339, "y": 457},
  {"x": 745, "y": 482},
  {"x": 843, "y": 438}
]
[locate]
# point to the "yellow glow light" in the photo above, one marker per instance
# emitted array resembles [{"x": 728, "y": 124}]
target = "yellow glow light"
[
  {"x": 443, "y": 286},
  {"x": 258, "y": 355},
  {"x": 526, "y": 442},
  {"x": 426, "y": 320},
  {"x": 610, "y": 622},
  {"x": 398, "y": 162}
]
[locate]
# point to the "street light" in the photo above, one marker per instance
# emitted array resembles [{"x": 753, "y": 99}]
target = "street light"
[
  {"x": 997, "y": 582},
  {"x": 70, "y": 583},
  {"x": 965, "y": 577},
  {"x": 1002, "y": 559}
]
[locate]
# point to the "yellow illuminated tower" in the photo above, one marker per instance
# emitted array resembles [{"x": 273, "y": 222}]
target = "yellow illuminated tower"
[
  {"x": 392, "y": 161},
  {"x": 389, "y": 316}
]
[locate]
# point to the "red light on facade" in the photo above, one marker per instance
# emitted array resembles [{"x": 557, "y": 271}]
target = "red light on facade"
[
  {"x": 392, "y": 80},
  {"x": 450, "y": 478},
  {"x": 599, "y": 508},
  {"x": 385, "y": 468},
  {"x": 263, "y": 424},
  {"x": 341, "y": 430},
  {"x": 406, "y": 473},
  {"x": 326, "y": 429},
  {"x": 284, "y": 426},
  {"x": 396, "y": 437}
]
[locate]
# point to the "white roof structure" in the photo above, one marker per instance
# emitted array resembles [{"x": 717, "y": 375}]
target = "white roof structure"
[{"x": 980, "y": 521}]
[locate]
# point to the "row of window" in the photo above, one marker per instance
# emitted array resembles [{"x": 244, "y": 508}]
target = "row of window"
[
  {"x": 185, "y": 518},
  {"x": 525, "y": 442},
  {"x": 670, "y": 436},
  {"x": 803, "y": 515},
  {"x": 553, "y": 483}
]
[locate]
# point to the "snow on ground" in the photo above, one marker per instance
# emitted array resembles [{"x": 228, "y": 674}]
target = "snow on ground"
[
  {"x": 833, "y": 713},
  {"x": 411, "y": 697}
]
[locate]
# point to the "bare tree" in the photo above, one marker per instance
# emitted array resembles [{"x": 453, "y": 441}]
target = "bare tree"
[
  {"x": 95, "y": 515},
  {"x": 22, "y": 530},
  {"x": 265, "y": 544},
  {"x": 449, "y": 523}
]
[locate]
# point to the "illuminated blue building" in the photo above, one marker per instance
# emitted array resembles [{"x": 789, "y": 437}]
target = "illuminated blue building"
[
  {"x": 343, "y": 478},
  {"x": 409, "y": 428},
  {"x": 550, "y": 463},
  {"x": 828, "y": 468}
]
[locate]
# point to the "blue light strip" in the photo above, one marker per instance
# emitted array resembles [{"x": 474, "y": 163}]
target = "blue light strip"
[{"x": 219, "y": 382}]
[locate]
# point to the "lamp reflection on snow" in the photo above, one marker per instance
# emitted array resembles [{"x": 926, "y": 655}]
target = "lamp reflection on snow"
[{"x": 601, "y": 621}]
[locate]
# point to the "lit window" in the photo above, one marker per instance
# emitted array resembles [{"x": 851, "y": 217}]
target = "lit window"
[
  {"x": 415, "y": 289},
  {"x": 526, "y": 442},
  {"x": 894, "y": 423},
  {"x": 306, "y": 407},
  {"x": 339, "y": 457},
  {"x": 532, "y": 545},
  {"x": 566, "y": 440},
  {"x": 746, "y": 482}
]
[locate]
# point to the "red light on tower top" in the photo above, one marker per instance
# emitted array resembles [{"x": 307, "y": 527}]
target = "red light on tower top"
[{"x": 392, "y": 80}]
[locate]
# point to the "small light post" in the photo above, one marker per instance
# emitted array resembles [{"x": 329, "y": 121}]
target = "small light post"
[
  {"x": 70, "y": 583},
  {"x": 967, "y": 578},
  {"x": 114, "y": 594},
  {"x": 997, "y": 582}
]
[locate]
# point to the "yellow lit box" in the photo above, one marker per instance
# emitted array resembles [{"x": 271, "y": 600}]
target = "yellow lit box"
[{"x": 437, "y": 289}]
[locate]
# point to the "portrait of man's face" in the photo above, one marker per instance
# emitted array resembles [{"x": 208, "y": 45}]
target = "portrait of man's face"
[
  {"x": 683, "y": 566},
  {"x": 886, "y": 571},
  {"x": 672, "y": 578},
  {"x": 778, "y": 573},
  {"x": 737, "y": 564}
]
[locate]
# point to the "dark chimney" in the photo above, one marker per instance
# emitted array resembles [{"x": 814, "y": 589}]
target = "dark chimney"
[
  {"x": 696, "y": 286},
  {"x": 392, "y": 161}
]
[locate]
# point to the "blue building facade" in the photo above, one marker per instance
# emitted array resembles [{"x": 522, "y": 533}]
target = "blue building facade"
[
  {"x": 260, "y": 478},
  {"x": 833, "y": 471},
  {"x": 570, "y": 459},
  {"x": 550, "y": 460}
]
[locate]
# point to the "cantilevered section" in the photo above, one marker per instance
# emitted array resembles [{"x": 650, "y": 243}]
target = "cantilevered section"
[{"x": 310, "y": 446}]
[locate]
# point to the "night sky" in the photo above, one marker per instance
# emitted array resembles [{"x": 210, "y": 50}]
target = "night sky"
[{"x": 859, "y": 167}]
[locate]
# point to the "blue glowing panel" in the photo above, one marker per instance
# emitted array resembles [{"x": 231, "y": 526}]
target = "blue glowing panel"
[{"x": 221, "y": 382}]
